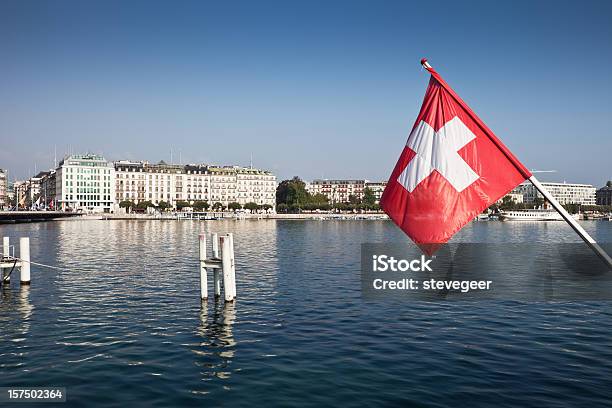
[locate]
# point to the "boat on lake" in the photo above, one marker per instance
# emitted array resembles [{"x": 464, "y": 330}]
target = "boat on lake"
[{"x": 532, "y": 215}]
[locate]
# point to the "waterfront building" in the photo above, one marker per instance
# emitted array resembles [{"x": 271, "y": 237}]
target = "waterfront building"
[
  {"x": 337, "y": 191},
  {"x": 19, "y": 190},
  {"x": 196, "y": 184},
  {"x": 142, "y": 181},
  {"x": 565, "y": 193},
  {"x": 340, "y": 191},
  {"x": 86, "y": 183},
  {"x": 603, "y": 196},
  {"x": 130, "y": 181},
  {"x": 90, "y": 183},
  {"x": 222, "y": 186},
  {"x": 47, "y": 190},
  {"x": 253, "y": 185},
  {"x": 517, "y": 198},
  {"x": 10, "y": 195},
  {"x": 3, "y": 190},
  {"x": 32, "y": 193},
  {"x": 377, "y": 188},
  {"x": 27, "y": 191}
]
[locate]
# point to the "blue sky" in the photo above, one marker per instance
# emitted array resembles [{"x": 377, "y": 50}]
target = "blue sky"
[{"x": 309, "y": 88}]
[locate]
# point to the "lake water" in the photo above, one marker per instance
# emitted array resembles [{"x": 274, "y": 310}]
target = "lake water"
[{"x": 121, "y": 324}]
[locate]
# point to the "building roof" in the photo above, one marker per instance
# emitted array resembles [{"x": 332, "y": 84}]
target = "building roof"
[
  {"x": 87, "y": 159},
  {"x": 337, "y": 181},
  {"x": 552, "y": 183}
]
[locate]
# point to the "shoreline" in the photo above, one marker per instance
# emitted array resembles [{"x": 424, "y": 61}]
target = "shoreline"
[{"x": 240, "y": 217}]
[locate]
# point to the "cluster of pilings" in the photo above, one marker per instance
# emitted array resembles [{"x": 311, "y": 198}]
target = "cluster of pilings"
[
  {"x": 9, "y": 263},
  {"x": 222, "y": 264}
]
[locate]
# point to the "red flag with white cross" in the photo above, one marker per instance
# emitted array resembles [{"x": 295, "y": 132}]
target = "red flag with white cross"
[{"x": 451, "y": 169}]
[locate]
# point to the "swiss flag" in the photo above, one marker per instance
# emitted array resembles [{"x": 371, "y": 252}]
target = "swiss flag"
[{"x": 451, "y": 169}]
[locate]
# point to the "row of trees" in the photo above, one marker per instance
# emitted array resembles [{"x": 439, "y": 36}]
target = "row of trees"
[
  {"x": 507, "y": 204},
  {"x": 575, "y": 208},
  {"x": 292, "y": 196},
  {"x": 197, "y": 206}
]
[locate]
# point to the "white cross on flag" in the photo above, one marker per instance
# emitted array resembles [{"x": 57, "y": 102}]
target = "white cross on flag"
[
  {"x": 439, "y": 151},
  {"x": 451, "y": 169}
]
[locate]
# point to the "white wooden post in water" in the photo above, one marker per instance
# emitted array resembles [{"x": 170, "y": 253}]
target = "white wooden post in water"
[
  {"x": 9, "y": 262},
  {"x": 223, "y": 264},
  {"x": 24, "y": 254},
  {"x": 226, "y": 262},
  {"x": 5, "y": 255},
  {"x": 232, "y": 265},
  {"x": 203, "y": 272},
  {"x": 217, "y": 275}
]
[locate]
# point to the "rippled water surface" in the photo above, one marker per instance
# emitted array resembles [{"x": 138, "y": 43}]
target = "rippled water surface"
[{"x": 122, "y": 324}]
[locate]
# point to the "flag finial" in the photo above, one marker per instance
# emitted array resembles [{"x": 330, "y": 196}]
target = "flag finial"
[{"x": 425, "y": 64}]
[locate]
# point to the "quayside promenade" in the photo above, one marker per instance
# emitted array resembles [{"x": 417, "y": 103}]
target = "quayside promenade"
[
  {"x": 243, "y": 216},
  {"x": 30, "y": 216}
]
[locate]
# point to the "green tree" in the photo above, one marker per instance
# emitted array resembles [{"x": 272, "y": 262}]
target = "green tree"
[
  {"x": 538, "y": 202},
  {"x": 217, "y": 206},
  {"x": 251, "y": 206},
  {"x": 234, "y": 206},
  {"x": 181, "y": 204},
  {"x": 507, "y": 203},
  {"x": 163, "y": 205},
  {"x": 369, "y": 199},
  {"x": 572, "y": 208},
  {"x": 143, "y": 205},
  {"x": 353, "y": 199},
  {"x": 342, "y": 206},
  {"x": 266, "y": 207},
  {"x": 127, "y": 204},
  {"x": 292, "y": 193},
  {"x": 319, "y": 202},
  {"x": 201, "y": 205}
]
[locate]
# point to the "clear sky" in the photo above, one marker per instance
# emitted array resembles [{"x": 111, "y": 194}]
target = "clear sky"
[{"x": 309, "y": 88}]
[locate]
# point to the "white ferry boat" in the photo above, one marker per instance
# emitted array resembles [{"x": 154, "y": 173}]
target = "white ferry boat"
[{"x": 532, "y": 215}]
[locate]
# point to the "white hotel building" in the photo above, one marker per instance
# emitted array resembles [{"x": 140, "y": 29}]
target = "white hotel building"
[
  {"x": 339, "y": 191},
  {"x": 378, "y": 188},
  {"x": 85, "y": 182},
  {"x": 565, "y": 193},
  {"x": 142, "y": 181}
]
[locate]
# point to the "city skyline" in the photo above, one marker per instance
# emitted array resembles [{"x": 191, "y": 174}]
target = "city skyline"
[
  {"x": 547, "y": 176},
  {"x": 315, "y": 90}
]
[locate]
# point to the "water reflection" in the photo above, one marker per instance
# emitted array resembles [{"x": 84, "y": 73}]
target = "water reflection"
[
  {"x": 16, "y": 312},
  {"x": 25, "y": 307},
  {"x": 122, "y": 321},
  {"x": 218, "y": 346},
  {"x": 17, "y": 300}
]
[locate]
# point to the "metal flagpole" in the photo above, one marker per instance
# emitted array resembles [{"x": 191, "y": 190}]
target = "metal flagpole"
[{"x": 572, "y": 222}]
